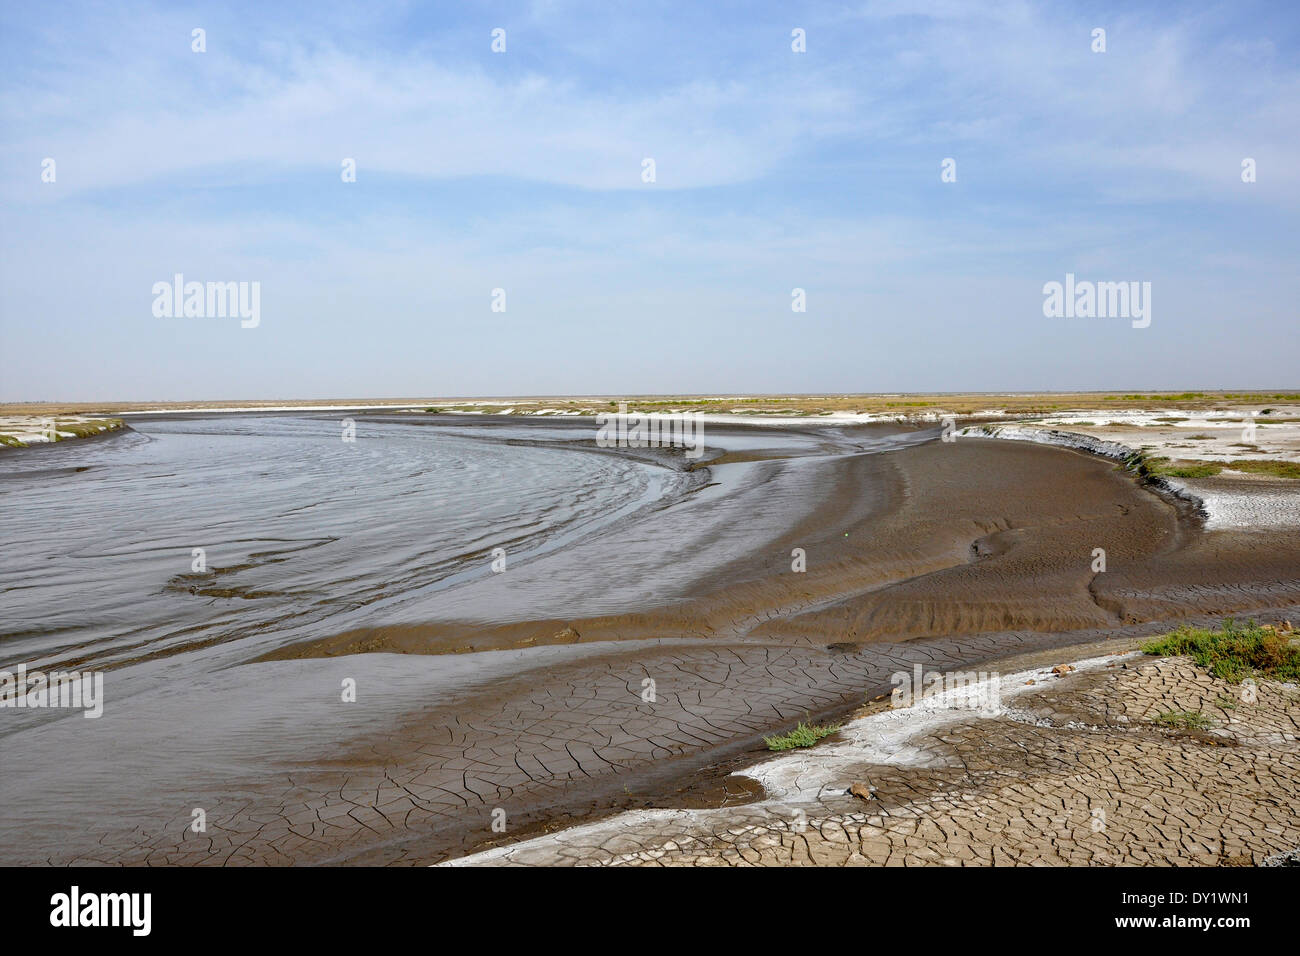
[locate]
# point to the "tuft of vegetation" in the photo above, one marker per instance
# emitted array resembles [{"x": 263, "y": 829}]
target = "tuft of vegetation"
[
  {"x": 1234, "y": 652},
  {"x": 805, "y": 735},
  {"x": 1184, "y": 720},
  {"x": 86, "y": 429}
]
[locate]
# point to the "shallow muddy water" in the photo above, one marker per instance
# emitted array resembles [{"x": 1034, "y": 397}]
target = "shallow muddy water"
[{"x": 304, "y": 535}]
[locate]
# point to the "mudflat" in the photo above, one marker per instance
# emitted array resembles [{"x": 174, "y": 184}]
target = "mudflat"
[
  {"x": 1081, "y": 768},
  {"x": 494, "y": 724}
]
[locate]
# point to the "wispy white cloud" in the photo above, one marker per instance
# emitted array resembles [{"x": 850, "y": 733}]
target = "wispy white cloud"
[
  {"x": 413, "y": 117},
  {"x": 1019, "y": 79}
]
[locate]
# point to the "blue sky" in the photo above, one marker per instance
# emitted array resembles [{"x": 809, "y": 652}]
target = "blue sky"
[{"x": 522, "y": 171}]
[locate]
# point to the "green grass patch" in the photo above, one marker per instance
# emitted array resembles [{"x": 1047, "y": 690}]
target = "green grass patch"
[
  {"x": 1184, "y": 720},
  {"x": 805, "y": 735},
  {"x": 1181, "y": 468},
  {"x": 1266, "y": 466},
  {"x": 1233, "y": 652},
  {"x": 1200, "y": 468}
]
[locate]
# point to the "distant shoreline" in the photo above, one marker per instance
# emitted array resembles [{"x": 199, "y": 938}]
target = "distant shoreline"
[{"x": 901, "y": 404}]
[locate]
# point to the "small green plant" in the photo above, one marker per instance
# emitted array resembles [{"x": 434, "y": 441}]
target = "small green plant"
[
  {"x": 1234, "y": 652},
  {"x": 805, "y": 735},
  {"x": 1184, "y": 720}
]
